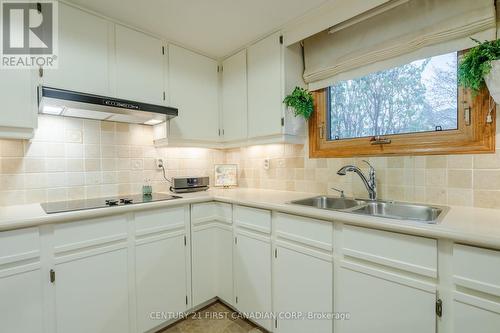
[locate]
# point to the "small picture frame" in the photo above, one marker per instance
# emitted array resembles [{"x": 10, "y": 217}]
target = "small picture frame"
[{"x": 226, "y": 175}]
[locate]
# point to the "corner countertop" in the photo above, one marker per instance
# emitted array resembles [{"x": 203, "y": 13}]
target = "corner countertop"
[{"x": 474, "y": 226}]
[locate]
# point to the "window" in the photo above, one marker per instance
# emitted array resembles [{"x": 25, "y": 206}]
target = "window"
[
  {"x": 417, "y": 108},
  {"x": 417, "y": 97}
]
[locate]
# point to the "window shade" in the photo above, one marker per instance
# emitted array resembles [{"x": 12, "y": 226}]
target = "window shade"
[{"x": 413, "y": 30}]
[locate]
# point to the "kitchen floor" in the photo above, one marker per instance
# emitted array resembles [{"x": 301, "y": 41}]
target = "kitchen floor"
[{"x": 216, "y": 318}]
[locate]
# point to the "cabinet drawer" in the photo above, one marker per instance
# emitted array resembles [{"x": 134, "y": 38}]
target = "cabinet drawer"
[
  {"x": 253, "y": 218},
  {"x": 211, "y": 211},
  {"x": 18, "y": 245},
  {"x": 409, "y": 253},
  {"x": 158, "y": 220},
  {"x": 89, "y": 233},
  {"x": 312, "y": 232},
  {"x": 477, "y": 268}
]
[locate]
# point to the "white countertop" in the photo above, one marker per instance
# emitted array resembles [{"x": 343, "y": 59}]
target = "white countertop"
[{"x": 475, "y": 226}]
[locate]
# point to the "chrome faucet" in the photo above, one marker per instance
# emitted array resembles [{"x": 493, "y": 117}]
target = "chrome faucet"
[{"x": 370, "y": 182}]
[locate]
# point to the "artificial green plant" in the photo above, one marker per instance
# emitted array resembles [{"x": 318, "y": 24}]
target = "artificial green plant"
[
  {"x": 476, "y": 64},
  {"x": 301, "y": 101}
]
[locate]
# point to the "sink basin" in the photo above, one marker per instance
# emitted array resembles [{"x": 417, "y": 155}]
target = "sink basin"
[
  {"x": 387, "y": 209},
  {"x": 332, "y": 203},
  {"x": 403, "y": 211}
]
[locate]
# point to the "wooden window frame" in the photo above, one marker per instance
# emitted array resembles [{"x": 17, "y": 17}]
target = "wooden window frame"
[{"x": 476, "y": 138}]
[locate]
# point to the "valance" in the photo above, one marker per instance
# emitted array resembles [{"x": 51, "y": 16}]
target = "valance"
[{"x": 411, "y": 30}]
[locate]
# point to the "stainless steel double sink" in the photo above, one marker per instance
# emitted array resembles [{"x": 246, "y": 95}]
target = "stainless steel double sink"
[{"x": 379, "y": 208}]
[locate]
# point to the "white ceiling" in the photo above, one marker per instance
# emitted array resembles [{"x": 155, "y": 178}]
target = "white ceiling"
[{"x": 213, "y": 27}]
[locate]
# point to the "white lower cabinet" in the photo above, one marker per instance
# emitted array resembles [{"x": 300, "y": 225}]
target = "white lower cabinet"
[
  {"x": 130, "y": 273},
  {"x": 212, "y": 255},
  {"x": 92, "y": 293},
  {"x": 379, "y": 302},
  {"x": 253, "y": 277},
  {"x": 91, "y": 276},
  {"x": 303, "y": 280},
  {"x": 21, "y": 290},
  {"x": 303, "y": 287},
  {"x": 385, "y": 282},
  {"x": 161, "y": 265},
  {"x": 252, "y": 262},
  {"x": 476, "y": 273},
  {"x": 475, "y": 314}
]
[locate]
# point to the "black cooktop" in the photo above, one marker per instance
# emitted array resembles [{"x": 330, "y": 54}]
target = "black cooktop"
[{"x": 74, "y": 205}]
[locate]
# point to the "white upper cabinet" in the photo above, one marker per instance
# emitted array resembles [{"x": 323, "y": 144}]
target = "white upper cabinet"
[
  {"x": 265, "y": 87},
  {"x": 193, "y": 81},
  {"x": 85, "y": 53},
  {"x": 273, "y": 72},
  {"x": 18, "y": 114},
  {"x": 139, "y": 66},
  {"x": 234, "y": 97}
]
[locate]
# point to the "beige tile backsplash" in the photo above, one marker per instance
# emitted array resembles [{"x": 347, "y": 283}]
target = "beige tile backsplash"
[
  {"x": 74, "y": 159},
  {"x": 464, "y": 180}
]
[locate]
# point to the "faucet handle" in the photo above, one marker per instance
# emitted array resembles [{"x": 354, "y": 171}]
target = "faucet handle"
[{"x": 342, "y": 195}]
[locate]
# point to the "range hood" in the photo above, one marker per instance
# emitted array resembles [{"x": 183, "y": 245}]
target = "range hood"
[{"x": 80, "y": 105}]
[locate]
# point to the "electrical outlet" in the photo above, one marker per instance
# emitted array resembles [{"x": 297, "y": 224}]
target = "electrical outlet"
[
  {"x": 159, "y": 163},
  {"x": 267, "y": 164}
]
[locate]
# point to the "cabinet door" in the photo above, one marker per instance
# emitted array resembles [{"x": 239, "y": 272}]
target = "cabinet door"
[
  {"x": 84, "y": 53},
  {"x": 265, "y": 91},
  {"x": 302, "y": 283},
  {"x": 204, "y": 265},
  {"x": 224, "y": 272},
  {"x": 139, "y": 66},
  {"x": 378, "y": 302},
  {"x": 194, "y": 90},
  {"x": 474, "y": 314},
  {"x": 234, "y": 97},
  {"x": 21, "y": 286},
  {"x": 161, "y": 280},
  {"x": 476, "y": 269},
  {"x": 161, "y": 261},
  {"x": 92, "y": 294},
  {"x": 21, "y": 303},
  {"x": 253, "y": 276},
  {"x": 212, "y": 264},
  {"x": 18, "y": 113}
]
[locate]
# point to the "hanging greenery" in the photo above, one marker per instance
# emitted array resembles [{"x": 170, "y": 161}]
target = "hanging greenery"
[
  {"x": 476, "y": 64},
  {"x": 301, "y": 101}
]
